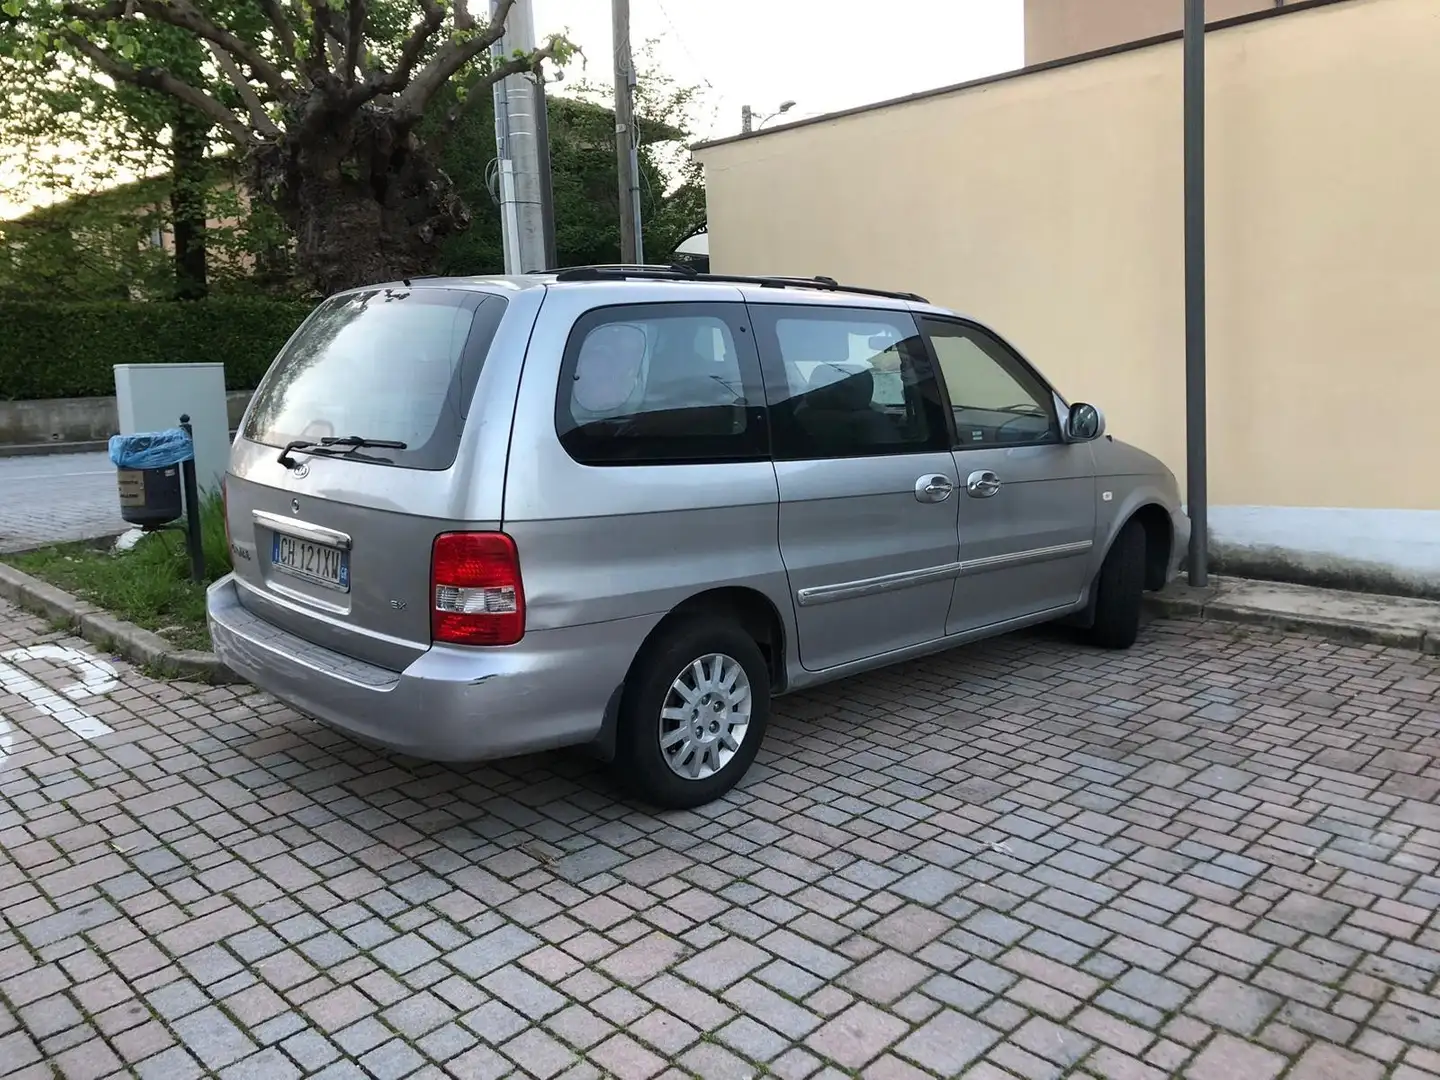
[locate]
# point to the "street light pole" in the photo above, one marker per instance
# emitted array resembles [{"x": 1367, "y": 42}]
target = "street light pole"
[
  {"x": 785, "y": 106},
  {"x": 747, "y": 117},
  {"x": 1196, "y": 472}
]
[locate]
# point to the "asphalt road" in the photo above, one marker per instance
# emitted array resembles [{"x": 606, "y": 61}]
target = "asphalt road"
[{"x": 46, "y": 500}]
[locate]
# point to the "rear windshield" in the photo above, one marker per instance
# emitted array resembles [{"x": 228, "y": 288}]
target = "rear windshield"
[{"x": 390, "y": 364}]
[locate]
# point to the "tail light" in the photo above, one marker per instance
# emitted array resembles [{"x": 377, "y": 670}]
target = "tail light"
[{"x": 476, "y": 591}]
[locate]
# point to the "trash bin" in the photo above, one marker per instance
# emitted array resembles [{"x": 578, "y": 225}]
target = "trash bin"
[{"x": 148, "y": 475}]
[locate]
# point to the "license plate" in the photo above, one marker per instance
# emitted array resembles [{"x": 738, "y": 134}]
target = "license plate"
[{"x": 320, "y": 563}]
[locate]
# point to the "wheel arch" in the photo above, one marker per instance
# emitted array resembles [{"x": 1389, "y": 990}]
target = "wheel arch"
[
  {"x": 756, "y": 614},
  {"x": 752, "y": 609},
  {"x": 1159, "y": 536},
  {"x": 1147, "y": 504}
]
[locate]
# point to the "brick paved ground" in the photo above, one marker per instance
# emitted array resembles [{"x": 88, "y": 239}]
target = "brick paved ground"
[
  {"x": 46, "y": 500},
  {"x": 1214, "y": 856}
]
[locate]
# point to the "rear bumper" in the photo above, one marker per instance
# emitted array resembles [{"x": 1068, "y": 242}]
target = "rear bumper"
[{"x": 452, "y": 704}]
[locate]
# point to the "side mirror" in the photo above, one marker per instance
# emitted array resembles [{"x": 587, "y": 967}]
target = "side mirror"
[{"x": 1084, "y": 423}]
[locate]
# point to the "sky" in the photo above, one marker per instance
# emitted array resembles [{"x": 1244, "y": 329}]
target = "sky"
[{"x": 817, "y": 53}]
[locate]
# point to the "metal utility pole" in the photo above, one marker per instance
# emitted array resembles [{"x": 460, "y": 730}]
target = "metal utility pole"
[
  {"x": 1196, "y": 495},
  {"x": 627, "y": 159},
  {"x": 517, "y": 131},
  {"x": 547, "y": 188}
]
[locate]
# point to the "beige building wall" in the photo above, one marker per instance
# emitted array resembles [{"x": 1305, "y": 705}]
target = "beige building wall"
[
  {"x": 1050, "y": 206},
  {"x": 1060, "y": 28}
]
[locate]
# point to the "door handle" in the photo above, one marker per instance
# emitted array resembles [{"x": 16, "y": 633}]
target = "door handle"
[
  {"x": 934, "y": 488},
  {"x": 982, "y": 483}
]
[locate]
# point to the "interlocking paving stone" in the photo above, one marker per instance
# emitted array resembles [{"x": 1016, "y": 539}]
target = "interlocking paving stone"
[{"x": 1215, "y": 855}]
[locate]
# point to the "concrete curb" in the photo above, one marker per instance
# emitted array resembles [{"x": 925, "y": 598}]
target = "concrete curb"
[
  {"x": 100, "y": 628},
  {"x": 47, "y": 449},
  {"x": 1179, "y": 601}
]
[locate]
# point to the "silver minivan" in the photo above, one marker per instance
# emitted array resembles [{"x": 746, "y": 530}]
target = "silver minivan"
[{"x": 624, "y": 507}]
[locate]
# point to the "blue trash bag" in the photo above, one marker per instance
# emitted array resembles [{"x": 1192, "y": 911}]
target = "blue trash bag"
[{"x": 151, "y": 449}]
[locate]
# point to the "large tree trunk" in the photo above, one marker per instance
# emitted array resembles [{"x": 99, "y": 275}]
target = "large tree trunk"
[
  {"x": 364, "y": 200},
  {"x": 189, "y": 135}
]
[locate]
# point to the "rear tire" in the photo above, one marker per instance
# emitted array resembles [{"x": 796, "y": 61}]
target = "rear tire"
[
  {"x": 1120, "y": 589},
  {"x": 691, "y": 709}
]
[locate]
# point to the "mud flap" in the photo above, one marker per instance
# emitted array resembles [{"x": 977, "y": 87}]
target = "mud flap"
[
  {"x": 602, "y": 747},
  {"x": 1084, "y": 619}
]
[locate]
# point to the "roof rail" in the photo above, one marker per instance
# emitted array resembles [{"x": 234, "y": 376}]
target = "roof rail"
[
  {"x": 683, "y": 273},
  {"x": 597, "y": 271}
]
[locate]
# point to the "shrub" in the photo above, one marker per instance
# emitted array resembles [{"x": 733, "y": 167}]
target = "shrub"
[{"x": 60, "y": 350}]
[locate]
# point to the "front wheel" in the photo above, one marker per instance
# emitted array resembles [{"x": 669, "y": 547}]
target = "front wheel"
[
  {"x": 1120, "y": 589},
  {"x": 693, "y": 714}
]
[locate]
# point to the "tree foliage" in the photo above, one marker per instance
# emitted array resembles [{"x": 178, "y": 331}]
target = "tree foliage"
[
  {"x": 91, "y": 154},
  {"x": 118, "y": 243},
  {"x": 325, "y": 99},
  {"x": 95, "y": 245},
  {"x": 583, "y": 179}
]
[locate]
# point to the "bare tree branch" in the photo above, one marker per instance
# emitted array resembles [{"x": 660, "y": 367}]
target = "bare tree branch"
[
  {"x": 433, "y": 16},
  {"x": 463, "y": 19},
  {"x": 482, "y": 87},
  {"x": 166, "y": 83},
  {"x": 355, "y": 39},
  {"x": 115, "y": 10},
  {"x": 315, "y": 62},
  {"x": 284, "y": 34},
  {"x": 253, "y": 105},
  {"x": 184, "y": 14},
  {"x": 449, "y": 59}
]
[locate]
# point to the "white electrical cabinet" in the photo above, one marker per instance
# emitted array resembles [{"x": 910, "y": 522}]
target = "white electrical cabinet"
[{"x": 153, "y": 397}]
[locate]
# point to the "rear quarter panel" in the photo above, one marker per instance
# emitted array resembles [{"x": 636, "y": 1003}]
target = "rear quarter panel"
[
  {"x": 392, "y": 515},
  {"x": 599, "y": 544}
]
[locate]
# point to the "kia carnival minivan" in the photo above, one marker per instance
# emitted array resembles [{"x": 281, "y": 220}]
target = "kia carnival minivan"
[{"x": 625, "y": 507}]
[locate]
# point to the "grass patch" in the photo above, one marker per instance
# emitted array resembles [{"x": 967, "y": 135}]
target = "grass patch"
[{"x": 148, "y": 585}]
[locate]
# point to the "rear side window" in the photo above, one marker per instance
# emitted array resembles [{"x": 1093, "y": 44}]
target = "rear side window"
[
  {"x": 386, "y": 364},
  {"x": 848, "y": 382},
  {"x": 661, "y": 384}
]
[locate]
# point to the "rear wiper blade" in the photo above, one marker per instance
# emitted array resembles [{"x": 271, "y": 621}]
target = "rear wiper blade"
[
  {"x": 334, "y": 444},
  {"x": 360, "y": 440}
]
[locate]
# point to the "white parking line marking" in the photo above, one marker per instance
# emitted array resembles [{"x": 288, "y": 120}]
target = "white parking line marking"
[{"x": 97, "y": 677}]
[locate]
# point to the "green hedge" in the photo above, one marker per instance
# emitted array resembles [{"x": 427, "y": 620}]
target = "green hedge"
[{"x": 59, "y": 350}]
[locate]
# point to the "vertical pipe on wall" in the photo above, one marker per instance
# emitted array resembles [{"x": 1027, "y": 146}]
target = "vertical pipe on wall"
[{"x": 1196, "y": 495}]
